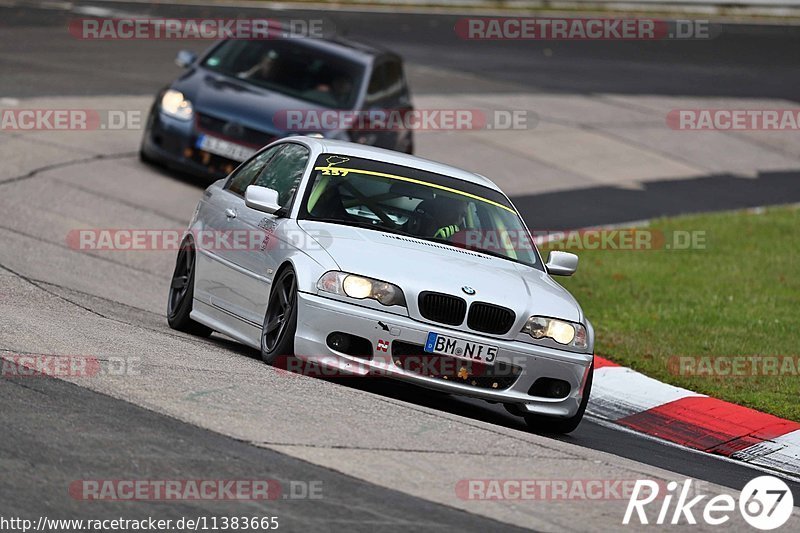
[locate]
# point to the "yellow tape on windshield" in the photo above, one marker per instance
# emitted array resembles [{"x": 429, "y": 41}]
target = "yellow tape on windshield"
[{"x": 339, "y": 171}]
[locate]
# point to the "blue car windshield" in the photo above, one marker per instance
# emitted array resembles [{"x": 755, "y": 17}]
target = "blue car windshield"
[{"x": 292, "y": 69}]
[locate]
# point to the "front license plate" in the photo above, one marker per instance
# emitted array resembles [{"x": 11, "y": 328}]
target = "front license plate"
[
  {"x": 234, "y": 151},
  {"x": 467, "y": 350}
]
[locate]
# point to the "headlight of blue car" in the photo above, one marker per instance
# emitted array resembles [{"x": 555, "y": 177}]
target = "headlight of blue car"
[
  {"x": 360, "y": 287},
  {"x": 174, "y": 104}
]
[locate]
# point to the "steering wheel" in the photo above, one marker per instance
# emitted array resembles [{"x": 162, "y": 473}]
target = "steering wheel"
[{"x": 374, "y": 207}]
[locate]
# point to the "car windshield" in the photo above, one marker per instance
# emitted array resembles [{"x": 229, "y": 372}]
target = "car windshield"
[
  {"x": 291, "y": 68},
  {"x": 386, "y": 197}
]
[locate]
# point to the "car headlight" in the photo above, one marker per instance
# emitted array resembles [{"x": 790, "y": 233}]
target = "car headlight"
[
  {"x": 359, "y": 287},
  {"x": 174, "y": 104},
  {"x": 567, "y": 333}
]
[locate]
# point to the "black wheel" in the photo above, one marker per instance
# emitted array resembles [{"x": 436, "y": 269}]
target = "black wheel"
[
  {"x": 548, "y": 424},
  {"x": 181, "y": 294},
  {"x": 144, "y": 158},
  {"x": 280, "y": 321}
]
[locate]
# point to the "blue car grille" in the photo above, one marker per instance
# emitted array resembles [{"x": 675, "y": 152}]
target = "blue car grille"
[{"x": 235, "y": 132}]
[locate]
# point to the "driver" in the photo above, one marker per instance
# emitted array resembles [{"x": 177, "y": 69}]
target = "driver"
[
  {"x": 449, "y": 215},
  {"x": 340, "y": 89}
]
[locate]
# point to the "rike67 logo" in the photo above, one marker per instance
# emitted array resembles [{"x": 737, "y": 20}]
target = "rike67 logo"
[{"x": 766, "y": 503}]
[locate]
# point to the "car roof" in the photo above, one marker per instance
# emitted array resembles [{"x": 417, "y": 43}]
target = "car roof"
[
  {"x": 369, "y": 49},
  {"x": 396, "y": 158},
  {"x": 341, "y": 46}
]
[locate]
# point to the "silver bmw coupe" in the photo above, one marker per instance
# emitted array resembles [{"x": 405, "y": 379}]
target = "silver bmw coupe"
[{"x": 365, "y": 261}]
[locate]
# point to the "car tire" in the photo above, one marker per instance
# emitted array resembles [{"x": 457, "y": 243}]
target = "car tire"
[
  {"x": 280, "y": 320},
  {"x": 181, "y": 293},
  {"x": 549, "y": 424},
  {"x": 144, "y": 158}
]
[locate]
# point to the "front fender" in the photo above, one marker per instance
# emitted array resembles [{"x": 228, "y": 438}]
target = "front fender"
[{"x": 305, "y": 255}]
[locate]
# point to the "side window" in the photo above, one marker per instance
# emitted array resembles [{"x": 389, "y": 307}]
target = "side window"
[
  {"x": 284, "y": 172},
  {"x": 386, "y": 83},
  {"x": 395, "y": 83},
  {"x": 376, "y": 85},
  {"x": 247, "y": 174}
]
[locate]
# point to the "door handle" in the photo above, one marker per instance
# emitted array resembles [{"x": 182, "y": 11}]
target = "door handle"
[{"x": 230, "y": 213}]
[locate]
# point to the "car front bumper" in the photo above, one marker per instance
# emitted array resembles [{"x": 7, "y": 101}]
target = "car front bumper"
[
  {"x": 171, "y": 142},
  {"x": 318, "y": 317}
]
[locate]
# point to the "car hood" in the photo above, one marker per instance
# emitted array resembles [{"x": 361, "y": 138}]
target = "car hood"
[
  {"x": 230, "y": 99},
  {"x": 417, "y": 265}
]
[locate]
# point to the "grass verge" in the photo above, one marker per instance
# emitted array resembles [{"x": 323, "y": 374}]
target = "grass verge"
[{"x": 693, "y": 317}]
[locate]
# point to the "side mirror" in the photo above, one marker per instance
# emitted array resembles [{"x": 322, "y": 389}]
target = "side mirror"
[
  {"x": 185, "y": 58},
  {"x": 561, "y": 263},
  {"x": 261, "y": 199}
]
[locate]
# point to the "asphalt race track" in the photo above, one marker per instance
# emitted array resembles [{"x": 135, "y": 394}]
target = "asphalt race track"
[{"x": 388, "y": 456}]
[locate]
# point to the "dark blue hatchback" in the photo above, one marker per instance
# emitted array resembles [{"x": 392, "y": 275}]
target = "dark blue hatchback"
[{"x": 241, "y": 95}]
